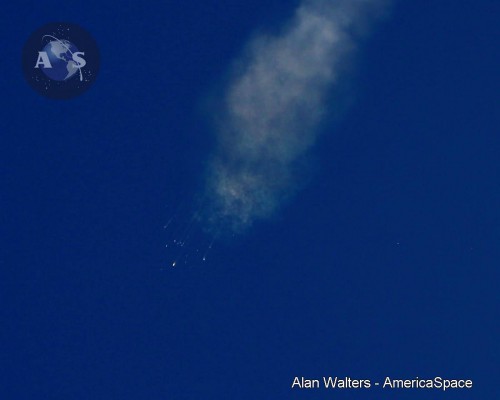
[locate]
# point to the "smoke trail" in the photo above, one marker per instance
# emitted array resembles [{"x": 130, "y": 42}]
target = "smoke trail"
[{"x": 273, "y": 105}]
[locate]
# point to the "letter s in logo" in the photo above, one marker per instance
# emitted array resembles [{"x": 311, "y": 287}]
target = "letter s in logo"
[{"x": 80, "y": 61}]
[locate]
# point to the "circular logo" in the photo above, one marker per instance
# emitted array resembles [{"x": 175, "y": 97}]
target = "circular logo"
[{"x": 60, "y": 60}]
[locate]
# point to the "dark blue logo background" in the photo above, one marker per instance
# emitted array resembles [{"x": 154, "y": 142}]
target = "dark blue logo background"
[{"x": 60, "y": 60}]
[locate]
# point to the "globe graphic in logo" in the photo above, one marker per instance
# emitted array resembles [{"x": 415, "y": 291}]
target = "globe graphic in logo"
[
  {"x": 60, "y": 53},
  {"x": 60, "y": 60}
]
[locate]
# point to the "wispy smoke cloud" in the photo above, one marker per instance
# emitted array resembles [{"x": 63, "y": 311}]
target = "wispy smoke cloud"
[{"x": 273, "y": 105}]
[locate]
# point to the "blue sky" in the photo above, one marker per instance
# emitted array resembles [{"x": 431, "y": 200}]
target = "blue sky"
[{"x": 384, "y": 263}]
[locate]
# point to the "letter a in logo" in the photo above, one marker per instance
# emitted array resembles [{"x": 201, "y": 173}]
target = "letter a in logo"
[{"x": 43, "y": 59}]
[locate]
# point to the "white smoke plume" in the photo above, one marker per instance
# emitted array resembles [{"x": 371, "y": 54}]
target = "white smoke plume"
[{"x": 273, "y": 105}]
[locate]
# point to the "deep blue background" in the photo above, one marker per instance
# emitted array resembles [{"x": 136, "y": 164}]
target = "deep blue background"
[{"x": 386, "y": 264}]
